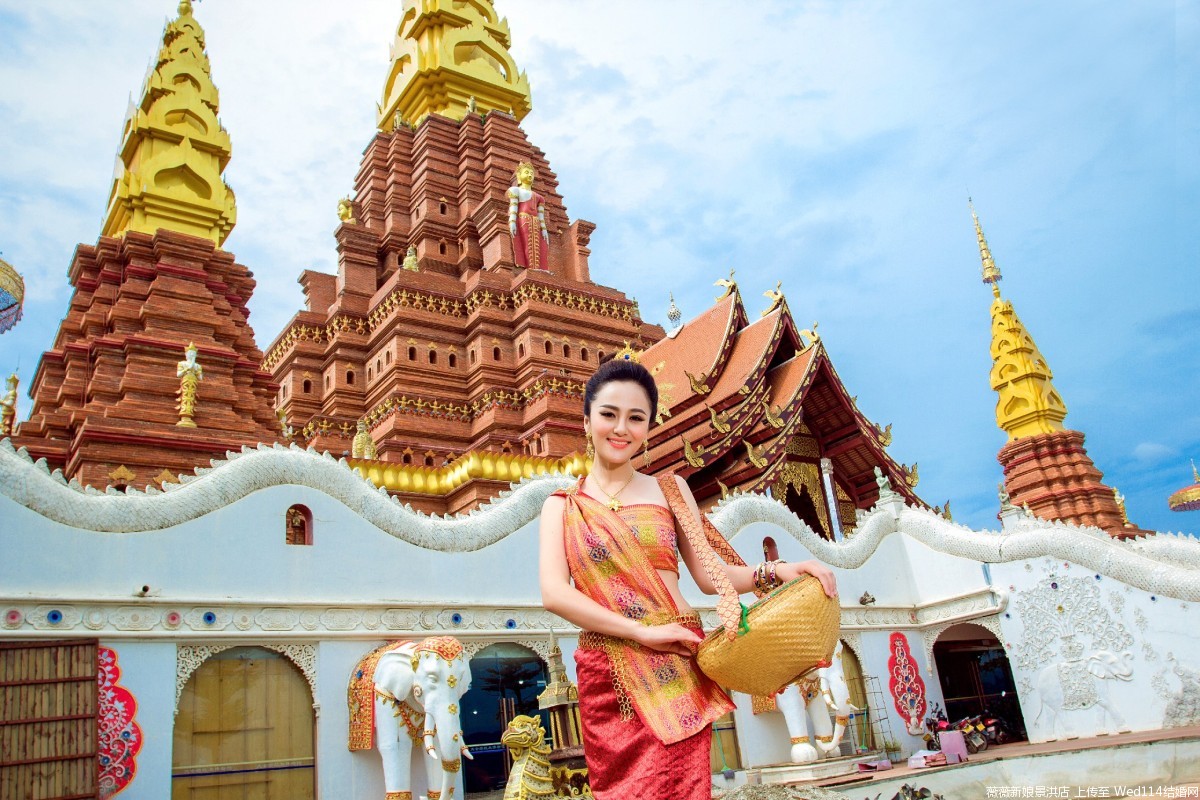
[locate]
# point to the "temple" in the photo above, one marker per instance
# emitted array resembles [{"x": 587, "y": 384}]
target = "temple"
[
  {"x": 1045, "y": 464},
  {"x": 107, "y": 395},
  {"x": 467, "y": 368}
]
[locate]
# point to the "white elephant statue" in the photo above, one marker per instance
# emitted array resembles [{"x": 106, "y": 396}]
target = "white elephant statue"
[
  {"x": 816, "y": 696},
  {"x": 1079, "y": 682},
  {"x": 409, "y": 693}
]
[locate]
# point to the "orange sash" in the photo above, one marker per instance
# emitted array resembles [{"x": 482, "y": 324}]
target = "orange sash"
[{"x": 608, "y": 564}]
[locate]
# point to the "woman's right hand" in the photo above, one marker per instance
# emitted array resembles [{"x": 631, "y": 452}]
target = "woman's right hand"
[{"x": 669, "y": 638}]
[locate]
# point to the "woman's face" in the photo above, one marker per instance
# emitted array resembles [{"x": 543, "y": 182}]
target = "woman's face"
[{"x": 620, "y": 421}]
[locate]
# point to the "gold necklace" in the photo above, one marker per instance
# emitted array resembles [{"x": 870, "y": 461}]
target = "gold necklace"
[{"x": 613, "y": 503}]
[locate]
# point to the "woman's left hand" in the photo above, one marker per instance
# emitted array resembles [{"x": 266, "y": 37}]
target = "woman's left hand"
[{"x": 791, "y": 570}]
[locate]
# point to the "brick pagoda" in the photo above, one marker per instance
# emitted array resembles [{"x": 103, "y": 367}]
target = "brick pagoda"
[
  {"x": 467, "y": 370},
  {"x": 105, "y": 407},
  {"x": 1045, "y": 464}
]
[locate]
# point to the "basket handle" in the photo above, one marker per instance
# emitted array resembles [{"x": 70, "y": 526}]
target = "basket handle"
[{"x": 729, "y": 608}]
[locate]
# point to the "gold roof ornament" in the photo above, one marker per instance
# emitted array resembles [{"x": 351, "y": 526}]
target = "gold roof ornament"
[
  {"x": 775, "y": 296},
  {"x": 1027, "y": 402},
  {"x": 728, "y": 284},
  {"x": 12, "y": 296},
  {"x": 450, "y": 57},
  {"x": 173, "y": 147}
]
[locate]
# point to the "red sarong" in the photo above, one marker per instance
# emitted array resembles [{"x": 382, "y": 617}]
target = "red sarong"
[{"x": 626, "y": 761}]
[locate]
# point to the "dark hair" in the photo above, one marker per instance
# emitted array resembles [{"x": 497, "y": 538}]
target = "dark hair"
[{"x": 621, "y": 369}]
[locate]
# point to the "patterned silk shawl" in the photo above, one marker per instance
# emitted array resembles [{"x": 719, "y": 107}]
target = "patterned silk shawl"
[{"x": 608, "y": 564}]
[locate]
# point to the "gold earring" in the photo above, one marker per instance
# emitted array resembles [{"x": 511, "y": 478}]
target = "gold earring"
[
  {"x": 590, "y": 452},
  {"x": 646, "y": 452}
]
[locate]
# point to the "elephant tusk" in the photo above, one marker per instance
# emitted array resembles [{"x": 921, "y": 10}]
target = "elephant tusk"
[{"x": 466, "y": 751}]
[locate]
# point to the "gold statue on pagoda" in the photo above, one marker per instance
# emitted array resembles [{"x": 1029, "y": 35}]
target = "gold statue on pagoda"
[
  {"x": 8, "y": 407},
  {"x": 190, "y": 373}
]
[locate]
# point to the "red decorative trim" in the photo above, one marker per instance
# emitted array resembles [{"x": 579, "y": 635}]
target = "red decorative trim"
[
  {"x": 905, "y": 684},
  {"x": 120, "y": 737}
]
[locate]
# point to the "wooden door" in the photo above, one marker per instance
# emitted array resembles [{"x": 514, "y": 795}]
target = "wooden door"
[
  {"x": 244, "y": 730},
  {"x": 48, "y": 720}
]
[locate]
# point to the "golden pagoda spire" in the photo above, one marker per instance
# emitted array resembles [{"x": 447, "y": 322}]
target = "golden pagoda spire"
[
  {"x": 1028, "y": 404},
  {"x": 173, "y": 148},
  {"x": 991, "y": 273},
  {"x": 450, "y": 57}
]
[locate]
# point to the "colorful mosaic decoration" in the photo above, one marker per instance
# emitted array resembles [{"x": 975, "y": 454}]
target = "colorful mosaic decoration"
[
  {"x": 120, "y": 737},
  {"x": 905, "y": 684},
  {"x": 361, "y": 699},
  {"x": 447, "y": 647}
]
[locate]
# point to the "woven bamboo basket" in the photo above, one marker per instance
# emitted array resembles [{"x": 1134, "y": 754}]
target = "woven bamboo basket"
[{"x": 793, "y": 630}]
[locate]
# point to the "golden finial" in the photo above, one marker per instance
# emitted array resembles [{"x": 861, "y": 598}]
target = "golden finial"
[
  {"x": 991, "y": 273},
  {"x": 728, "y": 284},
  {"x": 185, "y": 8},
  {"x": 775, "y": 296}
]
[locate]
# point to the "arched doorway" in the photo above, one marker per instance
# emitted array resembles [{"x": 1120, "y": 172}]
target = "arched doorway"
[
  {"x": 244, "y": 729},
  {"x": 506, "y": 680},
  {"x": 860, "y": 735},
  {"x": 975, "y": 676}
]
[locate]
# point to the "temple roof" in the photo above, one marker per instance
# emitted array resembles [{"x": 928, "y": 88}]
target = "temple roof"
[
  {"x": 742, "y": 399},
  {"x": 1187, "y": 498}
]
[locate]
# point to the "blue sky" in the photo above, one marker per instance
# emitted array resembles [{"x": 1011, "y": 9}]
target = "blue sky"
[{"x": 828, "y": 145}]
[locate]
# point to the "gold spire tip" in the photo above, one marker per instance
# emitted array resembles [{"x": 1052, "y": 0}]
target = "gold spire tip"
[
  {"x": 185, "y": 8},
  {"x": 991, "y": 273}
]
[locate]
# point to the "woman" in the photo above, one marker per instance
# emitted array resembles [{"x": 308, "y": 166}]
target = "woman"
[{"x": 646, "y": 709}]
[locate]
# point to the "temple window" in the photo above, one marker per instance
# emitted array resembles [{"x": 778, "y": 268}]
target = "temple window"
[
  {"x": 433, "y": 356},
  {"x": 429, "y": 461},
  {"x": 453, "y": 361},
  {"x": 349, "y": 377},
  {"x": 378, "y": 364},
  {"x": 473, "y": 356},
  {"x": 583, "y": 354},
  {"x": 521, "y": 349},
  {"x": 441, "y": 208},
  {"x": 566, "y": 351},
  {"x": 370, "y": 374},
  {"x": 495, "y": 354},
  {"x": 549, "y": 348},
  {"x": 327, "y": 379},
  {"x": 298, "y": 525},
  {"x": 442, "y": 248},
  {"x": 406, "y": 458},
  {"x": 600, "y": 356},
  {"x": 387, "y": 357},
  {"x": 307, "y": 387},
  {"x": 412, "y": 354}
]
